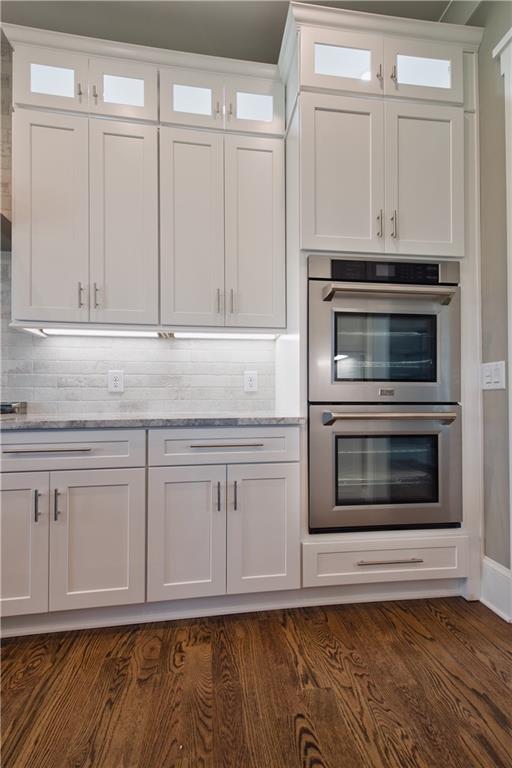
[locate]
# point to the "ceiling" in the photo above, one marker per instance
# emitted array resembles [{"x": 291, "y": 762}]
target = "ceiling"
[{"x": 239, "y": 29}]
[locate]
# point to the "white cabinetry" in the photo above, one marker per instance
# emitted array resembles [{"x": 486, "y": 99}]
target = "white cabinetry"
[
  {"x": 97, "y": 534},
  {"x": 123, "y": 88},
  {"x": 51, "y": 217},
  {"x": 423, "y": 69},
  {"x": 24, "y": 515},
  {"x": 124, "y": 222}
]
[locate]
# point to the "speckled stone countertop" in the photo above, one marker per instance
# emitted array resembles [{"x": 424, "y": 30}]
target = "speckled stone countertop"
[{"x": 140, "y": 421}]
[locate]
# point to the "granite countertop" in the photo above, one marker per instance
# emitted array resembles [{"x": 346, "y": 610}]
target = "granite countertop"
[{"x": 11, "y": 422}]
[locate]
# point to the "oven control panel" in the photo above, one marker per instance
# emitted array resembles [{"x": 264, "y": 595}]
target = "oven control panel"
[{"x": 415, "y": 273}]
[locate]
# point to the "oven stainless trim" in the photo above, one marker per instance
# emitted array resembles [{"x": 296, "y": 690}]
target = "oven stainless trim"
[{"x": 442, "y": 420}]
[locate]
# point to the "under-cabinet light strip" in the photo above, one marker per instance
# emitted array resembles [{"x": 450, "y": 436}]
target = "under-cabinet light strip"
[{"x": 44, "y": 332}]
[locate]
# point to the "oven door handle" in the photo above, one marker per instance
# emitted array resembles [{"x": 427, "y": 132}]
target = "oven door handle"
[
  {"x": 444, "y": 293},
  {"x": 329, "y": 417}
]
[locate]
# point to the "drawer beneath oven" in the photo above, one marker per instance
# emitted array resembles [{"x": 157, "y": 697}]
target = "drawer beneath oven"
[{"x": 366, "y": 561}]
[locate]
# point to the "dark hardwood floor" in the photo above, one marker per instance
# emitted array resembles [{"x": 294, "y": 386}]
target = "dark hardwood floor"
[{"x": 420, "y": 683}]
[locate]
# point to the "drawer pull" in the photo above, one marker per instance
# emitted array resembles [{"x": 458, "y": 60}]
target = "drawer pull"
[
  {"x": 56, "y": 511},
  {"x": 49, "y": 450},
  {"x": 228, "y": 445},
  {"x": 391, "y": 562},
  {"x": 36, "y": 506}
]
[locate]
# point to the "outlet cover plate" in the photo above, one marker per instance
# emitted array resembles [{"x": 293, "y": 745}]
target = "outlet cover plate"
[{"x": 116, "y": 381}]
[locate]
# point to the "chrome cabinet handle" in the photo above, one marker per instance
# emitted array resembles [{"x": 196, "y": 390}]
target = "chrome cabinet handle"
[
  {"x": 36, "y": 506},
  {"x": 391, "y": 562},
  {"x": 379, "y": 219},
  {"x": 235, "y": 499},
  {"x": 329, "y": 417},
  {"x": 81, "y": 290},
  {"x": 394, "y": 220},
  {"x": 380, "y": 76},
  {"x": 218, "y": 301},
  {"x": 56, "y": 513},
  {"x": 218, "y": 496},
  {"x": 217, "y": 109},
  {"x": 230, "y": 112},
  {"x": 47, "y": 450},
  {"x": 96, "y": 296},
  {"x": 227, "y": 445},
  {"x": 394, "y": 74},
  {"x": 232, "y": 301},
  {"x": 79, "y": 91},
  {"x": 443, "y": 293},
  {"x": 95, "y": 94}
]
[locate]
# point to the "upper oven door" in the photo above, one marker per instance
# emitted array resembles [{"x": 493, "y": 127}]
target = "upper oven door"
[{"x": 383, "y": 343}]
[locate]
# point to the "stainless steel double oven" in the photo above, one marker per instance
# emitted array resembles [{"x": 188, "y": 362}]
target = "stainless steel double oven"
[{"x": 384, "y": 387}]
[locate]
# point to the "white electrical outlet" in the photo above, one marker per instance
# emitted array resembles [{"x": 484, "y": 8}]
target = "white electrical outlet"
[
  {"x": 250, "y": 381},
  {"x": 116, "y": 381},
  {"x": 493, "y": 375}
]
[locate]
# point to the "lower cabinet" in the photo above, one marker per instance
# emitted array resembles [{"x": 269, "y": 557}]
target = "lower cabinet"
[
  {"x": 72, "y": 539},
  {"x": 217, "y": 529}
]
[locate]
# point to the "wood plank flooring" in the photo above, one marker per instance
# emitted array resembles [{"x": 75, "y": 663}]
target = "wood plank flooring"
[{"x": 426, "y": 684}]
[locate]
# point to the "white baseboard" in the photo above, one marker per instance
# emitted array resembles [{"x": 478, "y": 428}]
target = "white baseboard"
[
  {"x": 497, "y": 588},
  {"x": 90, "y": 618}
]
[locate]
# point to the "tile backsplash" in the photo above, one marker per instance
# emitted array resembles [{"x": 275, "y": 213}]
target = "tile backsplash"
[{"x": 69, "y": 374}]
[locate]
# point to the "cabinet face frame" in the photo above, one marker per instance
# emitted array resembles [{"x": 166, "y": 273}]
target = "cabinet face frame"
[
  {"x": 209, "y": 532},
  {"x": 311, "y": 238},
  {"x": 393, "y": 47},
  {"x": 36, "y": 564},
  {"x": 61, "y": 555},
  {"x": 101, "y": 67},
  {"x": 25, "y": 55},
  {"x": 254, "y": 86},
  {"x": 104, "y": 310},
  {"x": 29, "y": 302},
  {"x": 195, "y": 78},
  {"x": 429, "y": 113},
  {"x": 309, "y": 36}
]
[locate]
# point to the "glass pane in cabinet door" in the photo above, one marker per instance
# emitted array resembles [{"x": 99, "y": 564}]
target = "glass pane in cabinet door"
[
  {"x": 192, "y": 99},
  {"x": 54, "y": 81},
  {"x": 123, "y": 90},
  {"x": 394, "y": 469},
  {"x": 431, "y": 73},
  {"x": 385, "y": 347},
  {"x": 254, "y": 106},
  {"x": 337, "y": 61}
]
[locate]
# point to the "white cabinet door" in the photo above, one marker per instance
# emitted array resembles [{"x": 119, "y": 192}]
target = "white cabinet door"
[
  {"x": 255, "y": 245},
  {"x": 192, "y": 227},
  {"x": 341, "y": 60},
  {"x": 51, "y": 217},
  {"x": 123, "y": 88},
  {"x": 186, "y": 532},
  {"x": 263, "y": 527},
  {"x": 191, "y": 97},
  {"x": 421, "y": 69},
  {"x": 50, "y": 78},
  {"x": 424, "y": 179},
  {"x": 97, "y": 538},
  {"x": 342, "y": 173},
  {"x": 24, "y": 542},
  {"x": 254, "y": 105},
  {"x": 124, "y": 222}
]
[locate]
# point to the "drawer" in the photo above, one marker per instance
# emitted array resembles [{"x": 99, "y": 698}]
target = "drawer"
[
  {"x": 228, "y": 445},
  {"x": 73, "y": 449},
  {"x": 362, "y": 562}
]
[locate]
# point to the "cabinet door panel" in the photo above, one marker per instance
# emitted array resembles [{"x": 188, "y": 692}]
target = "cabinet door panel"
[
  {"x": 124, "y": 88},
  {"x": 24, "y": 543},
  {"x": 191, "y": 97},
  {"x": 124, "y": 222},
  {"x": 186, "y": 532},
  {"x": 97, "y": 538},
  {"x": 342, "y": 173},
  {"x": 425, "y": 179},
  {"x": 51, "y": 213},
  {"x": 255, "y": 105},
  {"x": 255, "y": 246},
  {"x": 422, "y": 69},
  {"x": 263, "y": 527},
  {"x": 50, "y": 78},
  {"x": 192, "y": 227}
]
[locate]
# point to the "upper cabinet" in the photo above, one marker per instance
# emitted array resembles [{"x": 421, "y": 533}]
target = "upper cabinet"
[
  {"x": 61, "y": 79},
  {"x": 344, "y": 60},
  {"x": 254, "y": 105}
]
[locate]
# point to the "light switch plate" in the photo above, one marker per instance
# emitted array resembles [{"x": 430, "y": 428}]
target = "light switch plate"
[
  {"x": 116, "y": 381},
  {"x": 493, "y": 375}
]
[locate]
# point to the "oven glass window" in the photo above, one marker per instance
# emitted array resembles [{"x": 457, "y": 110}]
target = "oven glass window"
[
  {"x": 384, "y": 347},
  {"x": 394, "y": 469}
]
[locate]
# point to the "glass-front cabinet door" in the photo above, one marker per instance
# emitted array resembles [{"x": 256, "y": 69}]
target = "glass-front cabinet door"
[
  {"x": 423, "y": 70},
  {"x": 254, "y": 105},
  {"x": 123, "y": 88},
  {"x": 191, "y": 97},
  {"x": 50, "y": 78},
  {"x": 342, "y": 61}
]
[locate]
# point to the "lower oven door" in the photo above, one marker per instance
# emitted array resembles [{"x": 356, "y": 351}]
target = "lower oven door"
[{"x": 384, "y": 467}]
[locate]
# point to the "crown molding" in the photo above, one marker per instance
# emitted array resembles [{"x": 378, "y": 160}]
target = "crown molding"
[
  {"x": 17, "y": 34},
  {"x": 503, "y": 43}
]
